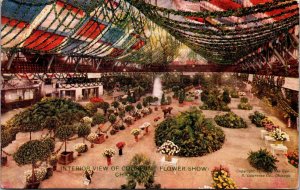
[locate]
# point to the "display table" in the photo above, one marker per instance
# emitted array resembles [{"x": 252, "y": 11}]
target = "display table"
[
  {"x": 263, "y": 133},
  {"x": 279, "y": 147},
  {"x": 268, "y": 138},
  {"x": 172, "y": 163}
]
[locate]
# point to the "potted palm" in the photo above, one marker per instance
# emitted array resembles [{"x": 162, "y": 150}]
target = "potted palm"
[
  {"x": 109, "y": 153},
  {"x": 30, "y": 153},
  {"x": 135, "y": 132},
  {"x": 63, "y": 133}
]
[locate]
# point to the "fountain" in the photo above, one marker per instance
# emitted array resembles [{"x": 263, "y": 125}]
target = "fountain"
[{"x": 157, "y": 89}]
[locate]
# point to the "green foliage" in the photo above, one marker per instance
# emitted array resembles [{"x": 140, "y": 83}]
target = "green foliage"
[
  {"x": 225, "y": 97},
  {"x": 181, "y": 96},
  {"x": 98, "y": 118},
  {"x": 65, "y": 132},
  {"x": 163, "y": 99},
  {"x": 213, "y": 100},
  {"x": 83, "y": 130},
  {"x": 244, "y": 100},
  {"x": 234, "y": 94},
  {"x": 50, "y": 142},
  {"x": 192, "y": 132},
  {"x": 245, "y": 106},
  {"x": 130, "y": 98},
  {"x": 32, "y": 119},
  {"x": 91, "y": 108},
  {"x": 104, "y": 106},
  {"x": 139, "y": 106},
  {"x": 51, "y": 123},
  {"x": 263, "y": 160},
  {"x": 140, "y": 169},
  {"x": 7, "y": 136},
  {"x": 112, "y": 118},
  {"x": 129, "y": 108},
  {"x": 31, "y": 152},
  {"x": 257, "y": 118},
  {"x": 230, "y": 120},
  {"x": 115, "y": 104}
]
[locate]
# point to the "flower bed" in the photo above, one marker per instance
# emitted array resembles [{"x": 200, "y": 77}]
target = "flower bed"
[
  {"x": 263, "y": 160},
  {"x": 256, "y": 118},
  {"x": 293, "y": 158},
  {"x": 183, "y": 129},
  {"x": 221, "y": 178},
  {"x": 230, "y": 120}
]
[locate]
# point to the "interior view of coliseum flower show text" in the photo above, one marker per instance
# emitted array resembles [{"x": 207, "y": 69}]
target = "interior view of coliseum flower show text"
[{"x": 149, "y": 94}]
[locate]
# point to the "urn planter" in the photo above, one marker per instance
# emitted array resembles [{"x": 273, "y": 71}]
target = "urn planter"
[{"x": 66, "y": 158}]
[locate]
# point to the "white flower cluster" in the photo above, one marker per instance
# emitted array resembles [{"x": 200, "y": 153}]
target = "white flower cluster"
[
  {"x": 128, "y": 118},
  {"x": 92, "y": 137},
  {"x": 278, "y": 135},
  {"x": 135, "y": 131},
  {"x": 168, "y": 148},
  {"x": 145, "y": 111},
  {"x": 109, "y": 152},
  {"x": 40, "y": 174},
  {"x": 87, "y": 119},
  {"x": 80, "y": 147}
]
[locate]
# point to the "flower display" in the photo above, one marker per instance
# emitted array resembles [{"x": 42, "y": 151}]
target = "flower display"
[
  {"x": 128, "y": 119},
  {"x": 80, "y": 147},
  {"x": 268, "y": 124},
  {"x": 109, "y": 152},
  {"x": 96, "y": 100},
  {"x": 87, "y": 120},
  {"x": 40, "y": 174},
  {"x": 293, "y": 158},
  {"x": 92, "y": 137},
  {"x": 135, "y": 131},
  {"x": 221, "y": 178},
  {"x": 168, "y": 148},
  {"x": 278, "y": 135},
  {"x": 120, "y": 145}
]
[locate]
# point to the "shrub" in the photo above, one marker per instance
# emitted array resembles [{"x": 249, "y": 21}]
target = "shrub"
[
  {"x": 191, "y": 132},
  {"x": 115, "y": 104},
  {"x": 263, "y": 160},
  {"x": 113, "y": 132},
  {"x": 234, "y": 94},
  {"x": 83, "y": 131},
  {"x": 91, "y": 108},
  {"x": 49, "y": 143},
  {"x": 112, "y": 118},
  {"x": 225, "y": 97},
  {"x": 98, "y": 118},
  {"x": 104, "y": 106},
  {"x": 129, "y": 108},
  {"x": 65, "y": 132},
  {"x": 257, "y": 118},
  {"x": 139, "y": 106},
  {"x": 244, "y": 100},
  {"x": 141, "y": 169},
  {"x": 230, "y": 120},
  {"x": 245, "y": 106}
]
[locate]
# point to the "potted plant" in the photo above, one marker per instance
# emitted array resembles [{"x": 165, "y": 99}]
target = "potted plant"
[
  {"x": 108, "y": 153},
  {"x": 92, "y": 137},
  {"x": 120, "y": 146},
  {"x": 221, "y": 178},
  {"x": 29, "y": 153},
  {"x": 80, "y": 148},
  {"x": 128, "y": 120},
  {"x": 169, "y": 149},
  {"x": 53, "y": 161},
  {"x": 263, "y": 160},
  {"x": 293, "y": 158},
  {"x": 135, "y": 132},
  {"x": 63, "y": 133},
  {"x": 87, "y": 120}
]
